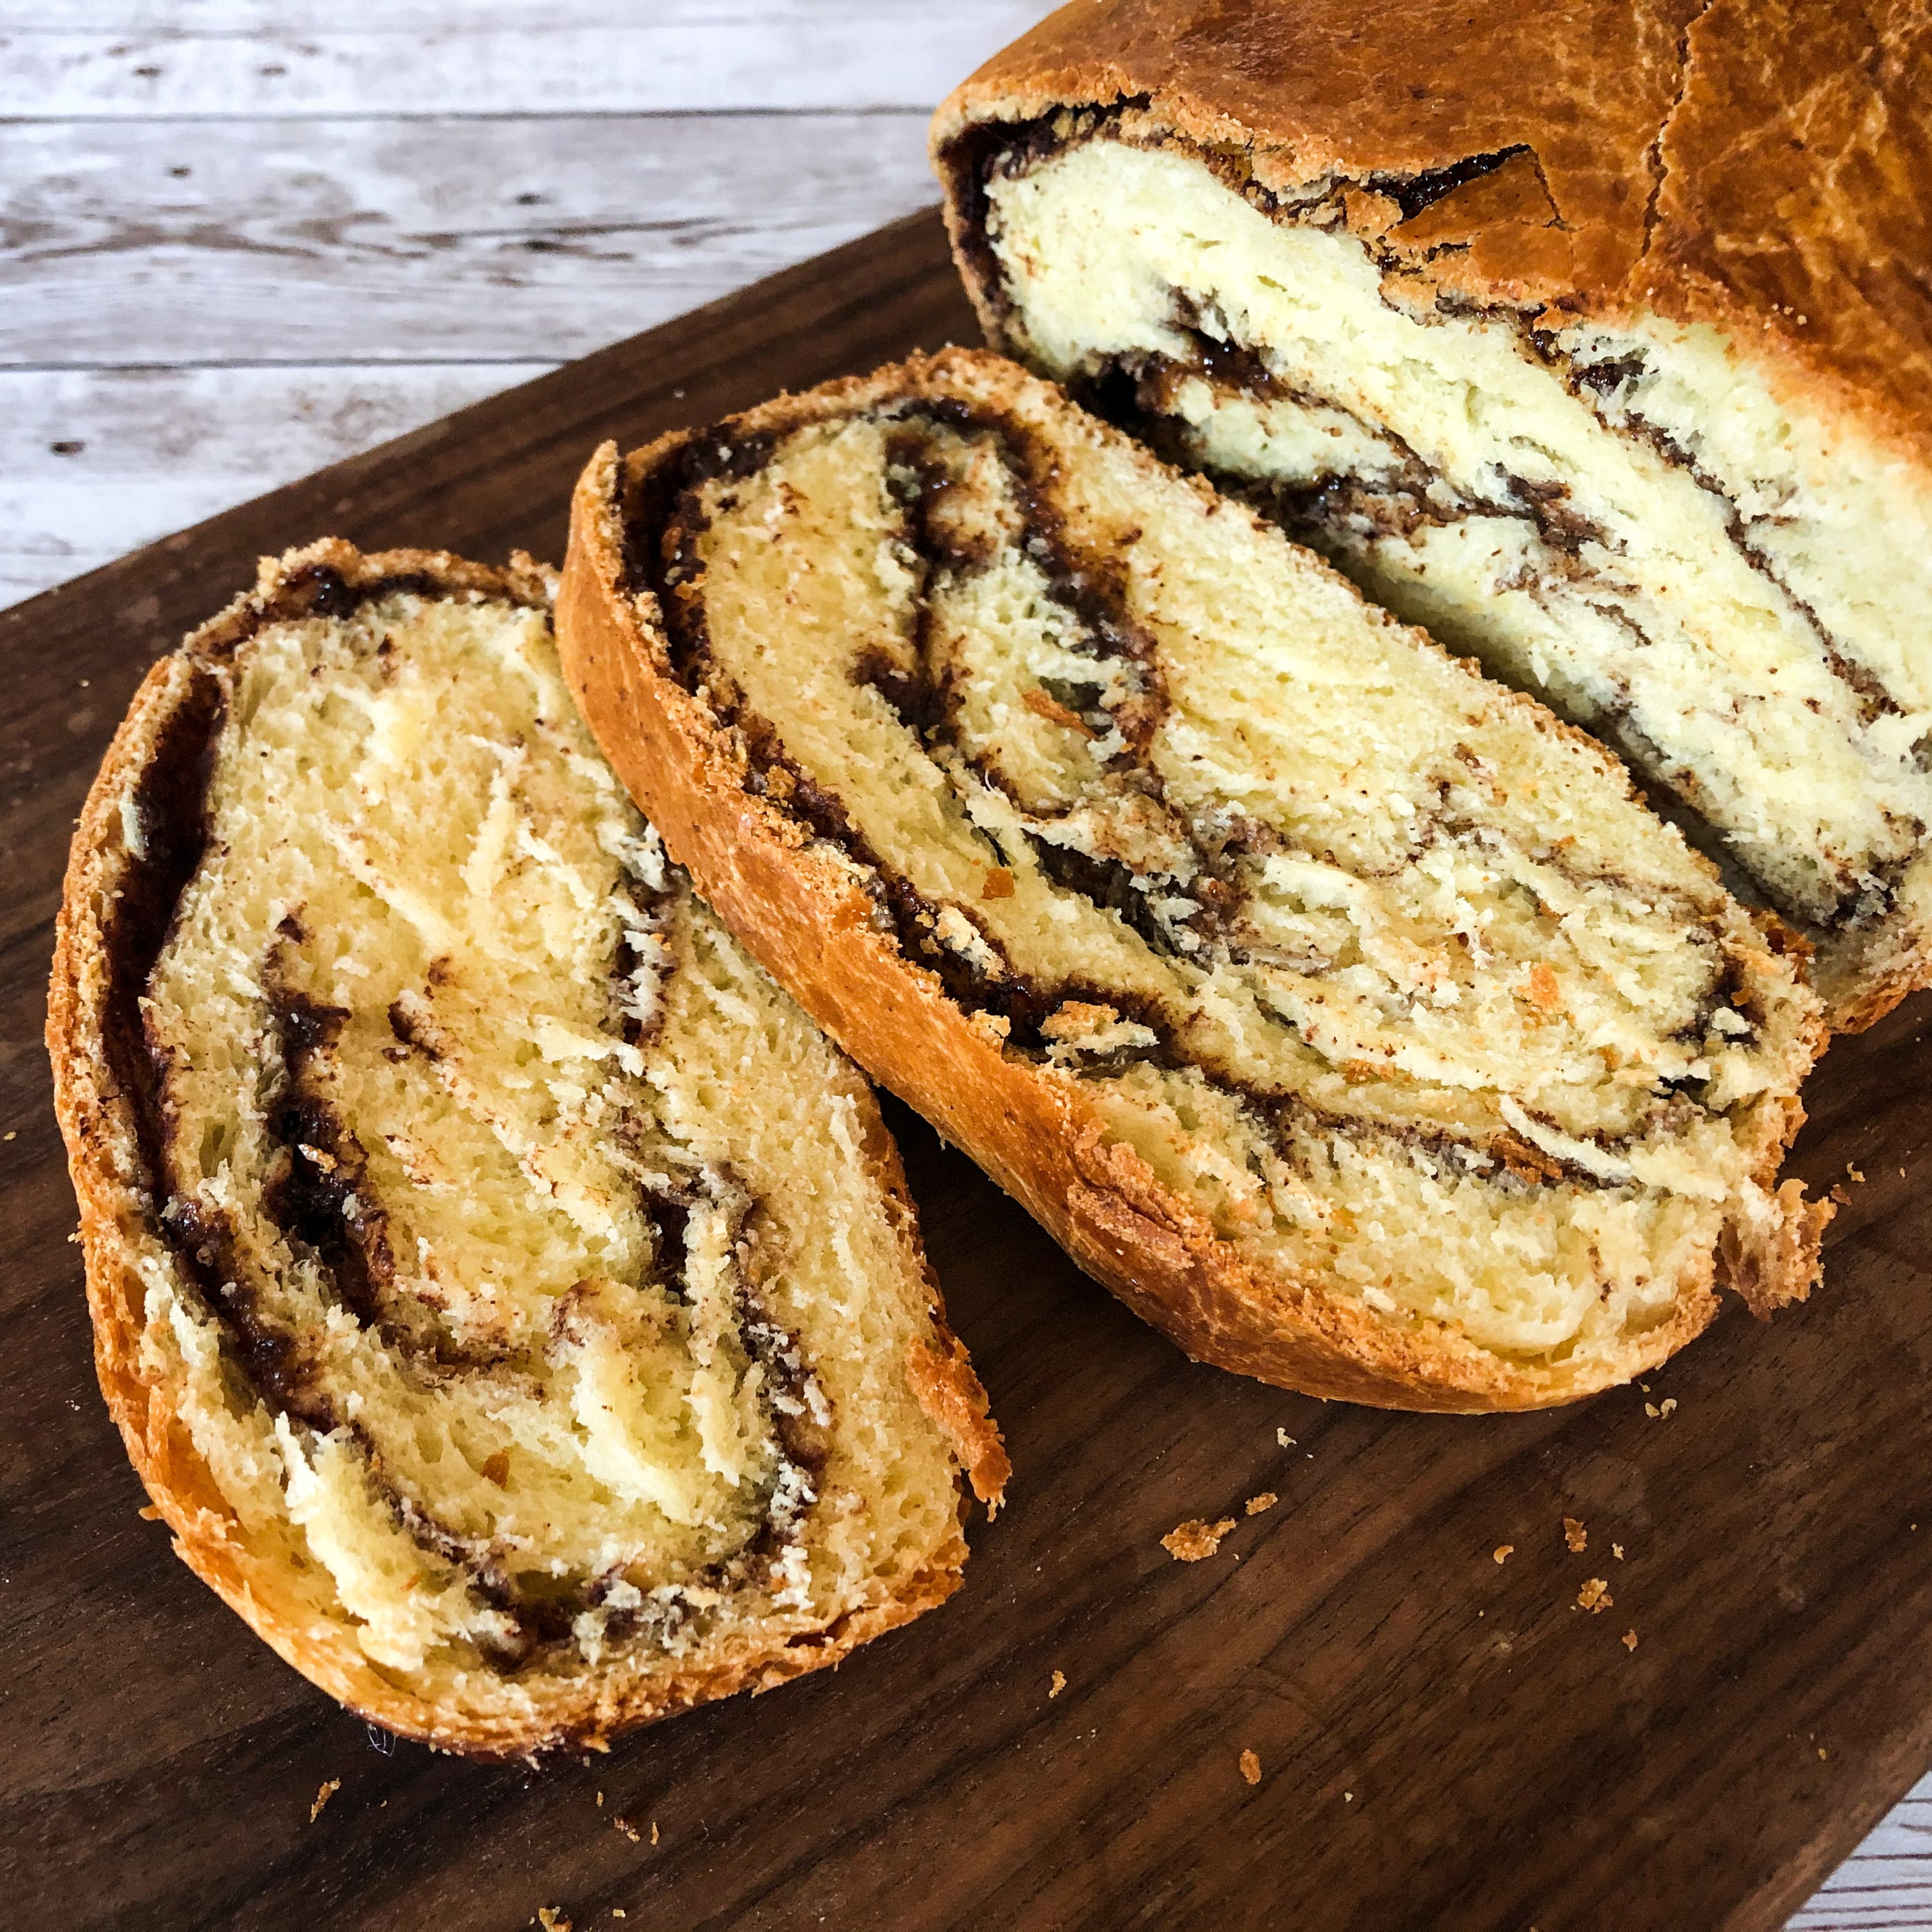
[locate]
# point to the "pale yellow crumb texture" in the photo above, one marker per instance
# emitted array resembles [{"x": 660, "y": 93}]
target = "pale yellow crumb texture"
[
  {"x": 1191, "y": 1541},
  {"x": 1059, "y": 1683},
  {"x": 1574, "y": 1534},
  {"x": 1251, "y": 1767},
  {"x": 1595, "y": 1596},
  {"x": 1266, "y": 1500},
  {"x": 322, "y": 1798}
]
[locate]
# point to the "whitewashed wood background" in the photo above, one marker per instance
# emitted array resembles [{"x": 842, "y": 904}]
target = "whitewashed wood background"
[{"x": 241, "y": 238}]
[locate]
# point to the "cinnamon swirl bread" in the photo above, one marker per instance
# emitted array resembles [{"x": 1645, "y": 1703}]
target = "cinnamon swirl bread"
[
  {"x": 511, "y": 1300},
  {"x": 1596, "y": 337},
  {"x": 1341, "y": 1010}
]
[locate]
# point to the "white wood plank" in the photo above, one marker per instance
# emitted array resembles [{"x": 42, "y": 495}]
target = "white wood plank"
[
  {"x": 93, "y": 464},
  {"x": 849, "y": 54},
  {"x": 441, "y": 241},
  {"x": 1885, "y": 1885},
  {"x": 122, "y": 19}
]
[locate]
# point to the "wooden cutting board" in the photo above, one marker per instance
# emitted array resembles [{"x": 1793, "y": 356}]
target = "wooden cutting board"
[{"x": 1444, "y": 1740}]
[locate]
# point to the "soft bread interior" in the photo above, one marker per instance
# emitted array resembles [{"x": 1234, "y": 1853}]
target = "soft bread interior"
[
  {"x": 1383, "y": 972},
  {"x": 1734, "y": 590},
  {"x": 537, "y": 1301}
]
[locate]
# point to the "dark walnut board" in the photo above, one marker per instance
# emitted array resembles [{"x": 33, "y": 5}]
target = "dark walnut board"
[{"x": 1443, "y": 1741}]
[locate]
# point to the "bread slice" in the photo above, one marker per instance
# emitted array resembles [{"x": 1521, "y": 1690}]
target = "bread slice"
[
  {"x": 511, "y": 1301},
  {"x": 1614, "y": 375},
  {"x": 1340, "y": 1010}
]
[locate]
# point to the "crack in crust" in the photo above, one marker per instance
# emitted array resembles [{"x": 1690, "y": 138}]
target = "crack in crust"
[{"x": 1654, "y": 158}]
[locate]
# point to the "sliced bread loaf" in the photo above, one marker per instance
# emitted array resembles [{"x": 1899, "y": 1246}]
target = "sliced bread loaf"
[
  {"x": 1595, "y": 338},
  {"x": 1340, "y": 1009},
  {"x": 511, "y": 1300}
]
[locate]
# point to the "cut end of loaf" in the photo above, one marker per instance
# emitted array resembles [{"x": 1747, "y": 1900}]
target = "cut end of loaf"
[
  {"x": 511, "y": 1297},
  {"x": 1343, "y": 1011},
  {"x": 1651, "y": 523}
]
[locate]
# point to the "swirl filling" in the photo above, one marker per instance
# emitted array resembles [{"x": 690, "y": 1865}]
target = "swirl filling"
[
  {"x": 1626, "y": 521},
  {"x": 523, "y": 1281},
  {"x": 1376, "y": 967}
]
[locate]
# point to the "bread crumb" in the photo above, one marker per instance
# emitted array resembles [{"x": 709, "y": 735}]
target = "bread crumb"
[
  {"x": 600, "y": 1801},
  {"x": 497, "y": 1468},
  {"x": 1650, "y": 1409},
  {"x": 1503, "y": 1551},
  {"x": 1853, "y": 1172},
  {"x": 322, "y": 1798},
  {"x": 149, "y": 1513},
  {"x": 1669, "y": 1403},
  {"x": 553, "y": 1918},
  {"x": 1628, "y": 1639},
  {"x": 1059, "y": 1683},
  {"x": 654, "y": 1832},
  {"x": 1267, "y": 1500},
  {"x": 1347, "y": 1798},
  {"x": 618, "y": 1912},
  {"x": 1042, "y": 705},
  {"x": 1617, "y": 1551},
  {"x": 1821, "y": 1750},
  {"x": 1595, "y": 1596},
  {"x": 1575, "y": 1534},
  {"x": 629, "y": 1830},
  {"x": 1191, "y": 1541},
  {"x": 998, "y": 884},
  {"x": 1251, "y": 1767},
  {"x": 1286, "y": 1441},
  {"x": 9, "y": 1134}
]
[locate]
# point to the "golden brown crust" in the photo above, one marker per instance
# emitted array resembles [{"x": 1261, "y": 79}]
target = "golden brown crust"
[
  {"x": 1755, "y": 164},
  {"x": 539, "y": 1712},
  {"x": 801, "y": 914}
]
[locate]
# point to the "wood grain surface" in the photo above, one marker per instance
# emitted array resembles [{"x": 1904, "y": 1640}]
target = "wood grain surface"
[{"x": 1444, "y": 1741}]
